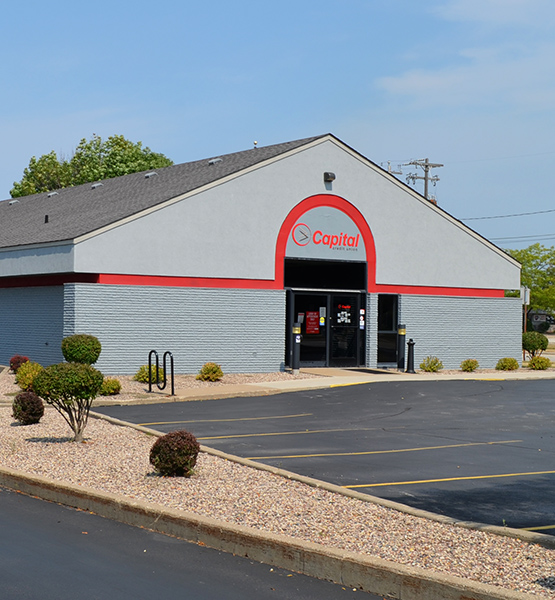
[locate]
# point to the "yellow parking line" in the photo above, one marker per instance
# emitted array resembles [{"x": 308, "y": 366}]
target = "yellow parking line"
[
  {"x": 448, "y": 479},
  {"x": 228, "y": 420},
  {"x": 245, "y": 435},
  {"x": 538, "y": 528},
  {"x": 347, "y": 384},
  {"x": 386, "y": 451}
]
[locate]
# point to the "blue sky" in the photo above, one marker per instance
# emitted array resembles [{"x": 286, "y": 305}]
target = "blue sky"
[{"x": 466, "y": 83}]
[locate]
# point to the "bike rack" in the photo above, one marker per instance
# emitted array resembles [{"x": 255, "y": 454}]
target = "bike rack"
[{"x": 160, "y": 385}]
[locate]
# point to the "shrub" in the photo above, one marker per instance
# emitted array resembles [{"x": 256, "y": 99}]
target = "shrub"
[
  {"x": 16, "y": 361},
  {"x": 70, "y": 388},
  {"x": 110, "y": 387},
  {"x": 539, "y": 363},
  {"x": 27, "y": 408},
  {"x": 431, "y": 364},
  {"x": 142, "y": 374},
  {"x": 469, "y": 365},
  {"x": 26, "y": 374},
  {"x": 210, "y": 372},
  {"x": 175, "y": 454},
  {"x": 507, "y": 364},
  {"x": 534, "y": 343},
  {"x": 81, "y": 348}
]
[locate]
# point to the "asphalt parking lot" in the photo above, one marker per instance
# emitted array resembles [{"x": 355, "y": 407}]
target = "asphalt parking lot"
[{"x": 473, "y": 450}]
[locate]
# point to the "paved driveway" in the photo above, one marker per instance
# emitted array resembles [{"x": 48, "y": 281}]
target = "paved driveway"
[
  {"x": 474, "y": 450},
  {"x": 53, "y": 552}
]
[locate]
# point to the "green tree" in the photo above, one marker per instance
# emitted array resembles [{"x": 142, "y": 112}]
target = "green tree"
[
  {"x": 70, "y": 388},
  {"x": 93, "y": 160},
  {"x": 538, "y": 274}
]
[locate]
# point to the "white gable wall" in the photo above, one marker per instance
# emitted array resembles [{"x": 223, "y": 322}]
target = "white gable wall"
[{"x": 230, "y": 230}]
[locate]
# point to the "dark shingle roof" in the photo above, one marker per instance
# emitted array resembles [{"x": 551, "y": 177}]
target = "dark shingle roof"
[{"x": 76, "y": 211}]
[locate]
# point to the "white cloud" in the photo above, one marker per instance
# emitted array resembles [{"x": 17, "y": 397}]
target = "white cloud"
[{"x": 509, "y": 76}]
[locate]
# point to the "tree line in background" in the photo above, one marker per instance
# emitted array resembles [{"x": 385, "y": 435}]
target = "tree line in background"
[
  {"x": 538, "y": 274},
  {"x": 93, "y": 160}
]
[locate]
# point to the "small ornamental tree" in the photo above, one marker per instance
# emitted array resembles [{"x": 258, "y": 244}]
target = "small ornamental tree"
[{"x": 70, "y": 388}]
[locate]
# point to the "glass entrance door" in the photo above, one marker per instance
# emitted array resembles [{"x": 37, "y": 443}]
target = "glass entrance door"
[
  {"x": 333, "y": 328},
  {"x": 345, "y": 330},
  {"x": 311, "y": 312}
]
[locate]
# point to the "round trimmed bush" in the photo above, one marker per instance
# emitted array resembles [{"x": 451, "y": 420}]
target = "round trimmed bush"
[
  {"x": 175, "y": 454},
  {"x": 27, "y": 408},
  {"x": 16, "y": 361},
  {"x": 210, "y": 371},
  {"x": 142, "y": 374},
  {"x": 469, "y": 365},
  {"x": 110, "y": 387},
  {"x": 26, "y": 374},
  {"x": 81, "y": 348},
  {"x": 507, "y": 364},
  {"x": 539, "y": 363},
  {"x": 534, "y": 342},
  {"x": 431, "y": 364}
]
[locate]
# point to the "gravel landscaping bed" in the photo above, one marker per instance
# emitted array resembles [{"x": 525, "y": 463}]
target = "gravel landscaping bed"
[
  {"x": 115, "y": 459},
  {"x": 134, "y": 389}
]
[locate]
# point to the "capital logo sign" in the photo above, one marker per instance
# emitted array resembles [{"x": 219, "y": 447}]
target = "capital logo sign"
[
  {"x": 325, "y": 233},
  {"x": 301, "y": 234}
]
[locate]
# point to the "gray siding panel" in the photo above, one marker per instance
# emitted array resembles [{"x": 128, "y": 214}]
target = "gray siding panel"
[
  {"x": 455, "y": 328},
  {"x": 243, "y": 330},
  {"x": 31, "y": 323}
]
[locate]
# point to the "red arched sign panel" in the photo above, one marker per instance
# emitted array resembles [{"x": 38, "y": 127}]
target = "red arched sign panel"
[{"x": 325, "y": 200}]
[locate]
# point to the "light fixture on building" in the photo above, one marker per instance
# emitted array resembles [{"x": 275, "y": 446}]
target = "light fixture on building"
[{"x": 329, "y": 176}]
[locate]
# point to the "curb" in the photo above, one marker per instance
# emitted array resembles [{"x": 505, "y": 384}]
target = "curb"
[{"x": 347, "y": 568}]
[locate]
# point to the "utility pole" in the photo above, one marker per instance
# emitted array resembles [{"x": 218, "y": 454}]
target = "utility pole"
[{"x": 426, "y": 165}]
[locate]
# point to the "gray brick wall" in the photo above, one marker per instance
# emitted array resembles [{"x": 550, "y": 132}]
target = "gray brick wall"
[
  {"x": 31, "y": 323},
  {"x": 243, "y": 330},
  {"x": 454, "y": 329}
]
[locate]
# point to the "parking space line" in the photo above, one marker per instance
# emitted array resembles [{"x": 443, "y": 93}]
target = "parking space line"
[
  {"x": 366, "y": 485},
  {"x": 538, "y": 528},
  {"x": 227, "y": 420},
  {"x": 384, "y": 451},
  {"x": 306, "y": 431}
]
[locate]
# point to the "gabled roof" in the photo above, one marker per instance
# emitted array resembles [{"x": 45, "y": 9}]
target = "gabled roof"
[{"x": 73, "y": 212}]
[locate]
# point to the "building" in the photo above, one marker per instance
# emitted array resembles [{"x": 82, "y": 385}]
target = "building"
[{"x": 214, "y": 260}]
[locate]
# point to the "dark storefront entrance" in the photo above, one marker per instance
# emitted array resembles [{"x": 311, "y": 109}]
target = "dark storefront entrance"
[
  {"x": 333, "y": 327},
  {"x": 333, "y": 319}
]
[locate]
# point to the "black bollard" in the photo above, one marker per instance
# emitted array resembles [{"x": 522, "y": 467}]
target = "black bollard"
[
  {"x": 410, "y": 357},
  {"x": 296, "y": 348},
  {"x": 401, "y": 335}
]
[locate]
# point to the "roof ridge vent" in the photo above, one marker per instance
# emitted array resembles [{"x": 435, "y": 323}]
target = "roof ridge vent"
[
  {"x": 96, "y": 185},
  {"x": 215, "y": 161},
  {"x": 50, "y": 194},
  {"x": 151, "y": 174}
]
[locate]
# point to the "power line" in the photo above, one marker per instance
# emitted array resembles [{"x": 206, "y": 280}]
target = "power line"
[
  {"x": 525, "y": 214},
  {"x": 543, "y": 236}
]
